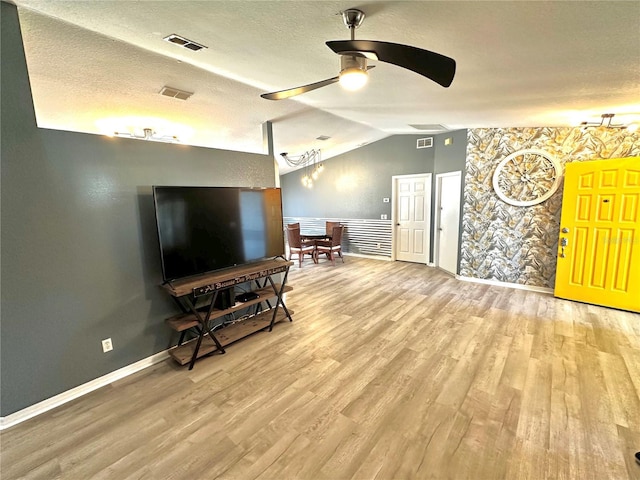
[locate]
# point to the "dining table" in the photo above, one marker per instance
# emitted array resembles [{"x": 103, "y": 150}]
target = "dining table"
[{"x": 314, "y": 236}]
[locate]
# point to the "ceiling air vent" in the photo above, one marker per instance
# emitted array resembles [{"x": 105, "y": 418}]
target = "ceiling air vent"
[
  {"x": 424, "y": 142},
  {"x": 175, "y": 93},
  {"x": 183, "y": 42},
  {"x": 431, "y": 128}
]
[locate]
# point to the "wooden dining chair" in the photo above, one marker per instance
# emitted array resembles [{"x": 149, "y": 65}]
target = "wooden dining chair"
[
  {"x": 298, "y": 248},
  {"x": 304, "y": 242},
  {"x": 329, "y": 228},
  {"x": 331, "y": 247}
]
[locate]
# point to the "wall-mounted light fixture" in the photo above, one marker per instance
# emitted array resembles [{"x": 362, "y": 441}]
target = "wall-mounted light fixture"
[
  {"x": 148, "y": 134},
  {"x": 311, "y": 161},
  {"x": 607, "y": 122},
  {"x": 153, "y": 129}
]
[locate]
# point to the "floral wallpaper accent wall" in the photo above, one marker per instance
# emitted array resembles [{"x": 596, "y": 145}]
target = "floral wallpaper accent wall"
[{"x": 501, "y": 242}]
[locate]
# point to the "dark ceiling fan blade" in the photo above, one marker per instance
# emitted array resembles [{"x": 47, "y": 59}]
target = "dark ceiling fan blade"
[
  {"x": 292, "y": 92},
  {"x": 432, "y": 65}
]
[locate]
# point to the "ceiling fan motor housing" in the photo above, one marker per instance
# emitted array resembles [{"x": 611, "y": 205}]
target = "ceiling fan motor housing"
[
  {"x": 353, "y": 17},
  {"x": 349, "y": 62}
]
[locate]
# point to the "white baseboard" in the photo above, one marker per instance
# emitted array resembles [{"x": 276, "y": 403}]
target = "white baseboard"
[
  {"x": 496, "y": 283},
  {"x": 79, "y": 391}
]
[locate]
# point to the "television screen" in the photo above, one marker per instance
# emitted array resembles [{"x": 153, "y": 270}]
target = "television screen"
[{"x": 202, "y": 229}]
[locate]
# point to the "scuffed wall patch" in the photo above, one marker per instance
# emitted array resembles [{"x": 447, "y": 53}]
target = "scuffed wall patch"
[{"x": 518, "y": 244}]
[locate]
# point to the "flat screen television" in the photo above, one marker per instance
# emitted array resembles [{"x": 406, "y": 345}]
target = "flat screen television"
[{"x": 203, "y": 229}]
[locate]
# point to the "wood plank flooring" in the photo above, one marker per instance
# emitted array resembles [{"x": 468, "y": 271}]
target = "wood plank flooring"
[{"x": 389, "y": 370}]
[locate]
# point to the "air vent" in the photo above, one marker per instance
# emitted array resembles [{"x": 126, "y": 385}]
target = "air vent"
[
  {"x": 183, "y": 42},
  {"x": 424, "y": 142},
  {"x": 175, "y": 93},
  {"x": 431, "y": 128}
]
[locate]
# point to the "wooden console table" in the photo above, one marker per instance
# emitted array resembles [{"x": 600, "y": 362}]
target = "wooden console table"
[{"x": 205, "y": 289}]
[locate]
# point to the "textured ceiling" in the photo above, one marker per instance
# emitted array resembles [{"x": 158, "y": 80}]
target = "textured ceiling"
[{"x": 97, "y": 66}]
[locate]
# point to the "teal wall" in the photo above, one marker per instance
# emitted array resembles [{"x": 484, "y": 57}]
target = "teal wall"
[{"x": 79, "y": 251}]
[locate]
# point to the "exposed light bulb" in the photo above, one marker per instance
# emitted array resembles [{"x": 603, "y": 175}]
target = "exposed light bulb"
[
  {"x": 353, "y": 72},
  {"x": 307, "y": 181},
  {"x": 353, "y": 78},
  {"x": 315, "y": 174}
]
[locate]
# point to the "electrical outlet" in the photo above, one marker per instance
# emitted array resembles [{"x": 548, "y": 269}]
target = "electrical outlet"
[
  {"x": 107, "y": 345},
  {"x": 379, "y": 245},
  {"x": 383, "y": 216}
]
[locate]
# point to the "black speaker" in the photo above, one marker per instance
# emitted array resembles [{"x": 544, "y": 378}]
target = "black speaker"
[{"x": 226, "y": 299}]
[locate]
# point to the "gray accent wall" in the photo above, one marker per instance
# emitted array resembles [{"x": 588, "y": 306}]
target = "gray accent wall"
[
  {"x": 354, "y": 184},
  {"x": 79, "y": 251},
  {"x": 450, "y": 158}
]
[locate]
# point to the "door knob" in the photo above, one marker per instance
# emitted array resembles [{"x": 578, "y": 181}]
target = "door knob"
[{"x": 565, "y": 230}]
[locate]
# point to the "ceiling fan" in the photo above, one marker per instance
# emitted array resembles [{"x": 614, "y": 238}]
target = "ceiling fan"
[{"x": 353, "y": 61}]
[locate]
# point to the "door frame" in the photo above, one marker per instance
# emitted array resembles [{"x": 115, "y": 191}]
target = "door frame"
[
  {"x": 394, "y": 205},
  {"x": 436, "y": 219}
]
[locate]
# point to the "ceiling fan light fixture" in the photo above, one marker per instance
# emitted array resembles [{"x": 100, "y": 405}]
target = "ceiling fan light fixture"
[
  {"x": 353, "y": 72},
  {"x": 353, "y": 79}
]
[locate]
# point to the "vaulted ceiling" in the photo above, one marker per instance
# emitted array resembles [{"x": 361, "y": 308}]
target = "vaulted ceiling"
[{"x": 98, "y": 66}]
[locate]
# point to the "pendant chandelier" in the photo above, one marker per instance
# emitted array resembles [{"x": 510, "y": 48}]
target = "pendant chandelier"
[{"x": 311, "y": 163}]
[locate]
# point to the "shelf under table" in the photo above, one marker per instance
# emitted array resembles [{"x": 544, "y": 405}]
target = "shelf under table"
[
  {"x": 187, "y": 320},
  {"x": 227, "y": 335}
]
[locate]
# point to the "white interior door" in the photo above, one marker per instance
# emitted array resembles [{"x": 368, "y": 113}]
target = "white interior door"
[
  {"x": 448, "y": 187},
  {"x": 412, "y": 212}
]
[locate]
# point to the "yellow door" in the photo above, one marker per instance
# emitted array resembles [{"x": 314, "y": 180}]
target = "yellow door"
[{"x": 599, "y": 246}]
